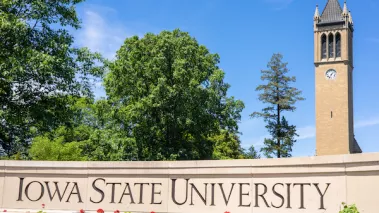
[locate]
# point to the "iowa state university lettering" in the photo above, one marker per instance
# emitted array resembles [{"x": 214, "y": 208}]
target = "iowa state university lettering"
[
  {"x": 183, "y": 192},
  {"x": 52, "y": 189}
]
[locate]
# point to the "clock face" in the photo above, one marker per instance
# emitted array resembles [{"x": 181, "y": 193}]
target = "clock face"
[{"x": 331, "y": 74}]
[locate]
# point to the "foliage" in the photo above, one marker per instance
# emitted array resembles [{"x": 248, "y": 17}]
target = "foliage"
[
  {"x": 226, "y": 146},
  {"x": 109, "y": 145},
  {"x": 349, "y": 209},
  {"x": 93, "y": 136},
  {"x": 107, "y": 141},
  {"x": 168, "y": 94},
  {"x": 57, "y": 149},
  {"x": 40, "y": 70},
  {"x": 279, "y": 97},
  {"x": 252, "y": 153},
  {"x": 286, "y": 133}
]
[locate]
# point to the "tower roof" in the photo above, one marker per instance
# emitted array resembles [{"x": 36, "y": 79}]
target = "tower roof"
[
  {"x": 317, "y": 13},
  {"x": 332, "y": 12},
  {"x": 345, "y": 10}
]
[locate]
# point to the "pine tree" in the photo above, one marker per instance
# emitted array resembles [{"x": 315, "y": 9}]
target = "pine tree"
[
  {"x": 279, "y": 97},
  {"x": 252, "y": 153}
]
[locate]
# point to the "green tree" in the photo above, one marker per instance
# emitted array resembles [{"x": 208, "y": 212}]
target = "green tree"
[
  {"x": 107, "y": 141},
  {"x": 279, "y": 97},
  {"x": 59, "y": 145},
  {"x": 226, "y": 146},
  {"x": 252, "y": 153},
  {"x": 92, "y": 134},
  {"x": 40, "y": 70},
  {"x": 109, "y": 145},
  {"x": 167, "y": 92},
  {"x": 44, "y": 149}
]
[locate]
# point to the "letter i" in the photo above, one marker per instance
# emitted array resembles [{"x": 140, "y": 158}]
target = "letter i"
[{"x": 20, "y": 189}]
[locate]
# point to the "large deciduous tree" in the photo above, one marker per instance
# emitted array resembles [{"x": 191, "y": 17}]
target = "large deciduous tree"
[
  {"x": 279, "y": 96},
  {"x": 168, "y": 94},
  {"x": 40, "y": 70},
  {"x": 94, "y": 135}
]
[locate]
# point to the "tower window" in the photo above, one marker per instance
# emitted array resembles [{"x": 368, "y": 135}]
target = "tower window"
[
  {"x": 323, "y": 46},
  {"x": 331, "y": 46},
  {"x": 338, "y": 45}
]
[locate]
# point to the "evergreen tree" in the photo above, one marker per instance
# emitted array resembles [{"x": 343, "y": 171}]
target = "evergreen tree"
[
  {"x": 252, "y": 153},
  {"x": 279, "y": 97}
]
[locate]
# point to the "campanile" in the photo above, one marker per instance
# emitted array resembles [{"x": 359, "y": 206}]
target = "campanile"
[{"x": 333, "y": 59}]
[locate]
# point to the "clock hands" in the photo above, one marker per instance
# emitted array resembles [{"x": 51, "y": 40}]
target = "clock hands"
[{"x": 331, "y": 74}]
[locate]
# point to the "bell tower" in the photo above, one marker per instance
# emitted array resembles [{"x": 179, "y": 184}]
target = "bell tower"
[{"x": 333, "y": 59}]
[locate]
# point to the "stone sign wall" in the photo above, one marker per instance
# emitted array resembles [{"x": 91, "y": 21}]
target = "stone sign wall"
[{"x": 309, "y": 185}]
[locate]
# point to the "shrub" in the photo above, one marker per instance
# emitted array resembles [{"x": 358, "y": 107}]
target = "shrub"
[{"x": 349, "y": 209}]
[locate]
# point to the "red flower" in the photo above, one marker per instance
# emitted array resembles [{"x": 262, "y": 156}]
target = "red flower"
[
  {"x": 152, "y": 212},
  {"x": 81, "y": 211},
  {"x": 43, "y": 205},
  {"x": 117, "y": 211},
  {"x": 100, "y": 211},
  {"x": 227, "y": 212},
  {"x": 5, "y": 210}
]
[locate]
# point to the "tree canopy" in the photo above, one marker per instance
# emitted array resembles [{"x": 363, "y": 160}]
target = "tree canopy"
[
  {"x": 279, "y": 96},
  {"x": 168, "y": 93},
  {"x": 40, "y": 71},
  {"x": 166, "y": 97}
]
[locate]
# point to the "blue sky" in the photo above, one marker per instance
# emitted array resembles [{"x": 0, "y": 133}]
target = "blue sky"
[{"x": 245, "y": 33}]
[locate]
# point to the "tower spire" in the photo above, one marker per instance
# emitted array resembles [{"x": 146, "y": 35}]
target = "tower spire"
[
  {"x": 317, "y": 14},
  {"x": 345, "y": 12},
  {"x": 332, "y": 12},
  {"x": 350, "y": 18}
]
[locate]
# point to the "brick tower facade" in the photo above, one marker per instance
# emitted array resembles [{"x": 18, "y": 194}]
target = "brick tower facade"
[{"x": 333, "y": 57}]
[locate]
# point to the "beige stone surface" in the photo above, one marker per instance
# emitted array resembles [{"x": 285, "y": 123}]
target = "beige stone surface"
[
  {"x": 36, "y": 190},
  {"x": 291, "y": 187},
  {"x": 1, "y": 189},
  {"x": 213, "y": 186},
  {"x": 217, "y": 187},
  {"x": 363, "y": 190}
]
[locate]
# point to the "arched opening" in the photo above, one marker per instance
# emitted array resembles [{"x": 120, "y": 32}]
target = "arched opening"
[
  {"x": 338, "y": 45},
  {"x": 323, "y": 46},
  {"x": 331, "y": 46}
]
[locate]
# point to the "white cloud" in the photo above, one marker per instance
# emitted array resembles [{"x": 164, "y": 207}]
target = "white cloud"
[
  {"x": 252, "y": 129},
  {"x": 309, "y": 132},
  {"x": 100, "y": 34},
  {"x": 256, "y": 142},
  {"x": 367, "y": 123},
  {"x": 306, "y": 132},
  {"x": 303, "y": 132}
]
